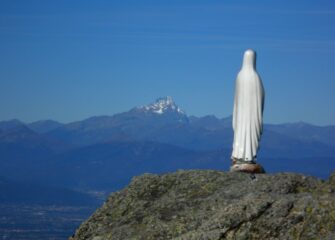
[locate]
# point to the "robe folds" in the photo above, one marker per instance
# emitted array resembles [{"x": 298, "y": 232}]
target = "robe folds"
[{"x": 248, "y": 110}]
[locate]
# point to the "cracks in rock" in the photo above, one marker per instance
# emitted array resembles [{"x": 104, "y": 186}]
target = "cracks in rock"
[{"x": 250, "y": 219}]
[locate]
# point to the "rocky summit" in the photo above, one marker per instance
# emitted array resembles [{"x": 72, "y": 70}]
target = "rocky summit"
[{"x": 206, "y": 204}]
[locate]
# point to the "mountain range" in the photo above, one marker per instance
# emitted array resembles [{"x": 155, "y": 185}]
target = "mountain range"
[{"x": 103, "y": 153}]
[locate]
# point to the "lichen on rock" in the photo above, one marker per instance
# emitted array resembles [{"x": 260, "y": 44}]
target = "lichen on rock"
[{"x": 214, "y": 205}]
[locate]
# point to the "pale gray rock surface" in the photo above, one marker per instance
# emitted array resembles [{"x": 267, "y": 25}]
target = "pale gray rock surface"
[{"x": 206, "y": 204}]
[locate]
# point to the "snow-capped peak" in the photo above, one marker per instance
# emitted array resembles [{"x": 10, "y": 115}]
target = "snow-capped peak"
[{"x": 162, "y": 105}]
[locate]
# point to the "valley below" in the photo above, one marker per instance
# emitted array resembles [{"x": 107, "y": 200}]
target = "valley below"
[
  {"x": 54, "y": 175},
  {"x": 23, "y": 222}
]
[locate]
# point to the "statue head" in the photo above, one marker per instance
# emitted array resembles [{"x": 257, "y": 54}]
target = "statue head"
[{"x": 249, "y": 59}]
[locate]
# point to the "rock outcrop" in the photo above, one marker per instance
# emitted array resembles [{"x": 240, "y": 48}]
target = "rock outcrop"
[{"x": 206, "y": 204}]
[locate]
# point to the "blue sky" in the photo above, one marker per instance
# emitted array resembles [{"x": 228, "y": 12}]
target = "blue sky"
[{"x": 69, "y": 60}]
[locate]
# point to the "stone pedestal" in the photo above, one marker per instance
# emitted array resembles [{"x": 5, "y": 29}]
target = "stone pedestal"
[{"x": 247, "y": 167}]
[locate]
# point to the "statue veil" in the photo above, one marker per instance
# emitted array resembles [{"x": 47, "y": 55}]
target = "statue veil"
[{"x": 248, "y": 110}]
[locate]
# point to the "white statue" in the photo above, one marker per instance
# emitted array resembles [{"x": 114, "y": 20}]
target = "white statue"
[{"x": 247, "y": 115}]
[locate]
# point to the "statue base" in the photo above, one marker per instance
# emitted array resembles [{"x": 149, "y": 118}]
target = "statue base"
[{"x": 246, "y": 167}]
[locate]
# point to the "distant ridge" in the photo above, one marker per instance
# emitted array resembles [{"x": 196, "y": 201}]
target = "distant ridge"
[
  {"x": 44, "y": 126},
  {"x": 157, "y": 137}
]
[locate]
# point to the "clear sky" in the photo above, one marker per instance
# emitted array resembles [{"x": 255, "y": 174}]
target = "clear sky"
[{"x": 69, "y": 60}]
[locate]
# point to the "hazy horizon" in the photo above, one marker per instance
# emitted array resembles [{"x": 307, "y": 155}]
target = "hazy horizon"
[
  {"x": 184, "y": 110},
  {"x": 70, "y": 60}
]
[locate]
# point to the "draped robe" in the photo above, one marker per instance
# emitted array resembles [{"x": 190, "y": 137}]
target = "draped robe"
[{"x": 248, "y": 110}]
